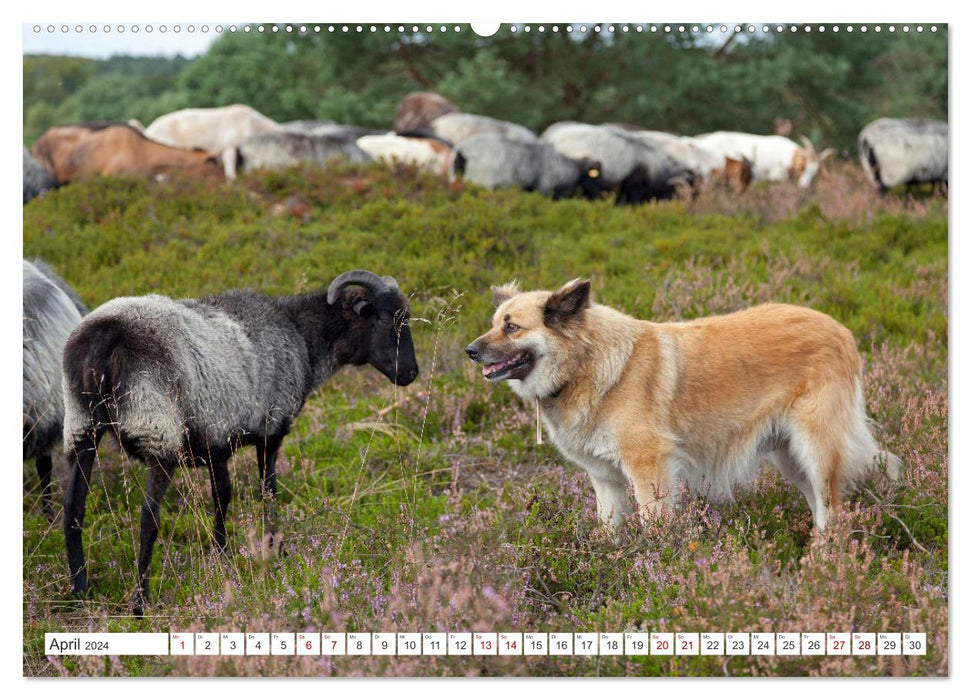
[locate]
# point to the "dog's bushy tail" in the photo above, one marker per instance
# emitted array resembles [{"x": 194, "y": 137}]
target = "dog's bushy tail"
[{"x": 863, "y": 454}]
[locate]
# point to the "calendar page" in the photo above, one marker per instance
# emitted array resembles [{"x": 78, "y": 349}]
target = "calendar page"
[{"x": 522, "y": 349}]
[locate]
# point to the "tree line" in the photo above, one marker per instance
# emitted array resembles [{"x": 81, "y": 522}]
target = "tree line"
[{"x": 826, "y": 85}]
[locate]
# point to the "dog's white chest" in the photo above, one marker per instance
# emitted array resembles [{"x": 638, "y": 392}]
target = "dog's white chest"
[{"x": 594, "y": 449}]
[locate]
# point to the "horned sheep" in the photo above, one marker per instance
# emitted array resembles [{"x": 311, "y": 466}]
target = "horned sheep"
[
  {"x": 51, "y": 311},
  {"x": 774, "y": 158},
  {"x": 189, "y": 382}
]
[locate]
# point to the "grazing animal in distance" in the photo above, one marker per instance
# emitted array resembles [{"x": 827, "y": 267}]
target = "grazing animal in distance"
[
  {"x": 189, "y": 382},
  {"x": 417, "y": 111},
  {"x": 704, "y": 401},
  {"x": 306, "y": 126},
  {"x": 904, "y": 152},
  {"x": 344, "y": 131},
  {"x": 284, "y": 149},
  {"x": 51, "y": 311},
  {"x": 85, "y": 151},
  {"x": 637, "y": 169},
  {"x": 428, "y": 154},
  {"x": 708, "y": 167},
  {"x": 495, "y": 161},
  {"x": 458, "y": 126},
  {"x": 37, "y": 178},
  {"x": 215, "y": 129},
  {"x": 773, "y": 158}
]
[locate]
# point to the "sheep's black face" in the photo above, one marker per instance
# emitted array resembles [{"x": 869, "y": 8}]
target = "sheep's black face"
[
  {"x": 591, "y": 181},
  {"x": 389, "y": 347}
]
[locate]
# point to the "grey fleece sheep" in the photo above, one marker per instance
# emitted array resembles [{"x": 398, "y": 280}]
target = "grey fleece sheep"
[
  {"x": 188, "y": 382},
  {"x": 322, "y": 127},
  {"x": 51, "y": 312},
  {"x": 459, "y": 126},
  {"x": 37, "y": 178},
  {"x": 904, "y": 151},
  {"x": 640, "y": 171},
  {"x": 283, "y": 149},
  {"x": 495, "y": 161}
]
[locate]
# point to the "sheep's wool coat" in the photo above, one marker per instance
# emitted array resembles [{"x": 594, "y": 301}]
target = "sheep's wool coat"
[
  {"x": 494, "y": 161},
  {"x": 206, "y": 371},
  {"x": 50, "y": 314}
]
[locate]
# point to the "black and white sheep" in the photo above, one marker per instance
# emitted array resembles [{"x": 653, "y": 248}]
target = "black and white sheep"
[
  {"x": 639, "y": 171},
  {"x": 37, "y": 178},
  {"x": 456, "y": 127},
  {"x": 495, "y": 161},
  {"x": 51, "y": 311},
  {"x": 188, "y": 382},
  {"x": 283, "y": 149},
  {"x": 904, "y": 151}
]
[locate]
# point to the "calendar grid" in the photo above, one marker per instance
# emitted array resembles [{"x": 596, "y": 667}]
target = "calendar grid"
[{"x": 479, "y": 644}]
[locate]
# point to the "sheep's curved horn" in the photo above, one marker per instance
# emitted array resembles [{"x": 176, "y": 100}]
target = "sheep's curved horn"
[
  {"x": 361, "y": 278},
  {"x": 390, "y": 281},
  {"x": 807, "y": 144}
]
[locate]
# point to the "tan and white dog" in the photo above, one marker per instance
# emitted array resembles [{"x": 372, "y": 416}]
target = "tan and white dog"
[{"x": 705, "y": 401}]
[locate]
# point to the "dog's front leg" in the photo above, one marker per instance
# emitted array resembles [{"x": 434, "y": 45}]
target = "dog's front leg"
[
  {"x": 647, "y": 467},
  {"x": 613, "y": 503}
]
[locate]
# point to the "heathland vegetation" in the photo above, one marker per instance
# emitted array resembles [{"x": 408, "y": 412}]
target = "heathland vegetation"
[{"x": 430, "y": 508}]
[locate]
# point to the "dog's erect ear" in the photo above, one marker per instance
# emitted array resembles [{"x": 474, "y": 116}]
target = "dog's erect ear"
[
  {"x": 567, "y": 302},
  {"x": 501, "y": 295}
]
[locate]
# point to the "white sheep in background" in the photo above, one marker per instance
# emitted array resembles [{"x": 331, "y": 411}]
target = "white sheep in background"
[
  {"x": 428, "y": 154},
  {"x": 773, "y": 158}
]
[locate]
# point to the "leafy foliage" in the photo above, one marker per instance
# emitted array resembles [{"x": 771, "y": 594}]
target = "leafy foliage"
[{"x": 827, "y": 84}]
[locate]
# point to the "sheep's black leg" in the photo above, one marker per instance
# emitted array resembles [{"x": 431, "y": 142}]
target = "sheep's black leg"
[
  {"x": 222, "y": 491},
  {"x": 266, "y": 453},
  {"x": 44, "y": 469},
  {"x": 81, "y": 456},
  {"x": 159, "y": 478}
]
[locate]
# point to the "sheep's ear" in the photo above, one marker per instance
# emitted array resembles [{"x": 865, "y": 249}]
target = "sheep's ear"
[
  {"x": 567, "y": 302},
  {"x": 502, "y": 294},
  {"x": 363, "y": 308}
]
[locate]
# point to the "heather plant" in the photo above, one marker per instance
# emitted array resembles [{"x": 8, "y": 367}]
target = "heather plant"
[{"x": 430, "y": 508}]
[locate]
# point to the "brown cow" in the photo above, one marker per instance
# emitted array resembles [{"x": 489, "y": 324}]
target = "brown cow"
[
  {"x": 82, "y": 151},
  {"x": 417, "y": 111}
]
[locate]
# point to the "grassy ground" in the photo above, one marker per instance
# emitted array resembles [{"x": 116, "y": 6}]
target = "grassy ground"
[{"x": 429, "y": 508}]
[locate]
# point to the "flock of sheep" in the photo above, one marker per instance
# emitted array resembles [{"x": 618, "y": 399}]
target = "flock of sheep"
[
  {"x": 190, "y": 381},
  {"x": 430, "y": 133}
]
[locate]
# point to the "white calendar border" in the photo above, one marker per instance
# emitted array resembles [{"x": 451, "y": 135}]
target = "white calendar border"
[{"x": 11, "y": 651}]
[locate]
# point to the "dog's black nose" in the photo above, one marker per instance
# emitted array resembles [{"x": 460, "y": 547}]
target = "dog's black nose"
[{"x": 473, "y": 352}]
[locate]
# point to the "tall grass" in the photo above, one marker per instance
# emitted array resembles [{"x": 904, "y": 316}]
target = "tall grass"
[{"x": 429, "y": 508}]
